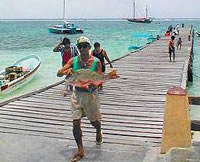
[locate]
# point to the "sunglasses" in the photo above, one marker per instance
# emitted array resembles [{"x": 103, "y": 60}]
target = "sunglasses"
[{"x": 82, "y": 46}]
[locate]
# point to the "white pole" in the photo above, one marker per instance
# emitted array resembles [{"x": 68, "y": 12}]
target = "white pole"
[
  {"x": 134, "y": 9},
  {"x": 64, "y": 10},
  {"x": 146, "y": 12}
]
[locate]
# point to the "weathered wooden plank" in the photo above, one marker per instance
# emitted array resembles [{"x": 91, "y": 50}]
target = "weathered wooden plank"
[
  {"x": 115, "y": 124},
  {"x": 48, "y": 115},
  {"x": 66, "y": 108},
  {"x": 113, "y": 102},
  {"x": 106, "y": 128},
  {"x": 106, "y": 121},
  {"x": 135, "y": 141}
]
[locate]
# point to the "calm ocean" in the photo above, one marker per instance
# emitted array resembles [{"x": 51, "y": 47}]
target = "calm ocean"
[{"x": 21, "y": 38}]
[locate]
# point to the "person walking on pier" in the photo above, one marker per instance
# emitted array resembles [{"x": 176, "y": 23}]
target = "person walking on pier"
[
  {"x": 170, "y": 28},
  {"x": 171, "y": 48},
  {"x": 179, "y": 44},
  {"x": 67, "y": 52},
  {"x": 84, "y": 103},
  {"x": 101, "y": 54},
  {"x": 177, "y": 29}
]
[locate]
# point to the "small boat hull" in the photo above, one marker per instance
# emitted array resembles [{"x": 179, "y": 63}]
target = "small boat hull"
[
  {"x": 17, "y": 83},
  {"x": 140, "y": 20},
  {"x": 64, "y": 29}
]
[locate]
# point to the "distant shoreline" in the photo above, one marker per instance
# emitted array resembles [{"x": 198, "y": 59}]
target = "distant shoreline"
[{"x": 99, "y": 19}]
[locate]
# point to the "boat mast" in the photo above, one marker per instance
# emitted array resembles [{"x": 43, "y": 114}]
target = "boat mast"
[
  {"x": 63, "y": 10},
  {"x": 146, "y": 12},
  {"x": 134, "y": 9}
]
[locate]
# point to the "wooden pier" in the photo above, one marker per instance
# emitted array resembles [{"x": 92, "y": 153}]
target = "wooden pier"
[{"x": 132, "y": 106}]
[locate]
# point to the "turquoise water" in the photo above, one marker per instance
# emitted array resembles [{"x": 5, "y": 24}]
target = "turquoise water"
[
  {"x": 193, "y": 88},
  {"x": 21, "y": 38}
]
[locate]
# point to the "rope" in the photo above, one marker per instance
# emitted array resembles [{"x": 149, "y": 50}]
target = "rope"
[{"x": 196, "y": 75}]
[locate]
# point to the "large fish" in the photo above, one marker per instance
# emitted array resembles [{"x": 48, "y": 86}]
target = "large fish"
[{"x": 87, "y": 79}]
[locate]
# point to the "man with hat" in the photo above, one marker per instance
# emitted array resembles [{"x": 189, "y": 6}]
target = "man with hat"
[{"x": 84, "y": 103}]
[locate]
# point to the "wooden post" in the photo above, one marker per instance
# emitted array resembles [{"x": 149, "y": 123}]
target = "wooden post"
[
  {"x": 190, "y": 73},
  {"x": 190, "y": 65},
  {"x": 176, "y": 126},
  {"x": 189, "y": 36}
]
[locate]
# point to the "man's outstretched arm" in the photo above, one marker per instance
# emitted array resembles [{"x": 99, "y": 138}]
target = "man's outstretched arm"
[{"x": 67, "y": 69}]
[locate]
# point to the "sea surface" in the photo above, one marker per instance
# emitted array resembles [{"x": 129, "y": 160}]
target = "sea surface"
[{"x": 20, "y": 38}]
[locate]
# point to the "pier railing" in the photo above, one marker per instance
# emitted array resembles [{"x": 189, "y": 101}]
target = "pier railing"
[
  {"x": 177, "y": 125},
  {"x": 190, "y": 63}
]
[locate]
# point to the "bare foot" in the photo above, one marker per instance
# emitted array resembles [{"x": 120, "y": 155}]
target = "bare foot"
[
  {"x": 64, "y": 93},
  {"x": 101, "y": 87},
  {"x": 77, "y": 156},
  {"x": 99, "y": 138}
]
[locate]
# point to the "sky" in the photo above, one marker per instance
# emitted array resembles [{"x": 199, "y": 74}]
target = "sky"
[{"x": 75, "y": 9}]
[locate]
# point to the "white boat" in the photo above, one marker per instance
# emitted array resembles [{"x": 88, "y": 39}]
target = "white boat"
[
  {"x": 66, "y": 27},
  {"x": 19, "y": 73}
]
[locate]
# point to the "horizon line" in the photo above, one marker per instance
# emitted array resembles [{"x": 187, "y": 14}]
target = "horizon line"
[{"x": 93, "y": 18}]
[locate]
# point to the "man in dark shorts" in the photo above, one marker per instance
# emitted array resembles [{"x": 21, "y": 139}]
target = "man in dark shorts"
[{"x": 171, "y": 48}]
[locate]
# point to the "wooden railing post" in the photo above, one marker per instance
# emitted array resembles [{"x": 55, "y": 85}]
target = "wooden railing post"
[
  {"x": 190, "y": 64},
  {"x": 176, "y": 126}
]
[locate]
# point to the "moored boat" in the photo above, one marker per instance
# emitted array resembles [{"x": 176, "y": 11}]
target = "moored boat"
[
  {"x": 139, "y": 20},
  {"x": 66, "y": 28},
  {"x": 19, "y": 73}
]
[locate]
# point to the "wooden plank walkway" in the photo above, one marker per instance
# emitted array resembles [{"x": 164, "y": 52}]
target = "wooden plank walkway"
[{"x": 132, "y": 106}]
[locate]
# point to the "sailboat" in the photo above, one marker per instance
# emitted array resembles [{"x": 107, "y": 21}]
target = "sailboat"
[
  {"x": 139, "y": 20},
  {"x": 66, "y": 28}
]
